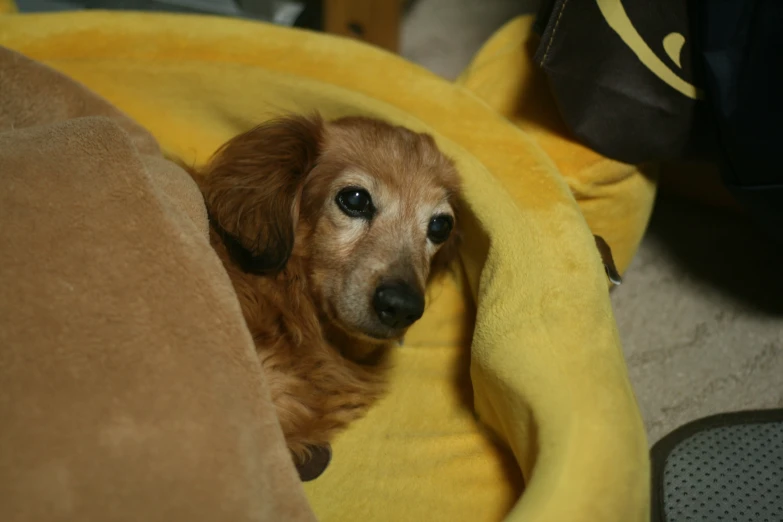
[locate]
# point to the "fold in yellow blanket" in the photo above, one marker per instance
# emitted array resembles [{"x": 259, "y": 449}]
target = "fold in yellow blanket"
[{"x": 546, "y": 371}]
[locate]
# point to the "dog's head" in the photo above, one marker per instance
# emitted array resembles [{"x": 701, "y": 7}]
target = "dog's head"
[{"x": 369, "y": 207}]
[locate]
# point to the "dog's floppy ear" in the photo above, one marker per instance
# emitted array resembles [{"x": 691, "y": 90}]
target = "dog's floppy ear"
[{"x": 253, "y": 186}]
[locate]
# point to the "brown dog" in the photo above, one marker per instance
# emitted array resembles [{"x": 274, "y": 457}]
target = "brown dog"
[{"x": 329, "y": 233}]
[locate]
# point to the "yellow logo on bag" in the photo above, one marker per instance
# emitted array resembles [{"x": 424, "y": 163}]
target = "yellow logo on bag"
[{"x": 615, "y": 15}]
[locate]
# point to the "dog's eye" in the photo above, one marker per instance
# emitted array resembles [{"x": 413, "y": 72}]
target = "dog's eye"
[
  {"x": 356, "y": 202},
  {"x": 439, "y": 228}
]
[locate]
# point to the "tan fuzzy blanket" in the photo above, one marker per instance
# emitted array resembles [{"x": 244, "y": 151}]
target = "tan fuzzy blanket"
[{"x": 129, "y": 386}]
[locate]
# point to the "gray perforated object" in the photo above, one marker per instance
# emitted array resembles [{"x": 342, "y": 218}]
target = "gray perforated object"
[{"x": 723, "y": 468}]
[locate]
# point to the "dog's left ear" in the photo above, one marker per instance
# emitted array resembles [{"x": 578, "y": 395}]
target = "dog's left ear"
[{"x": 253, "y": 187}]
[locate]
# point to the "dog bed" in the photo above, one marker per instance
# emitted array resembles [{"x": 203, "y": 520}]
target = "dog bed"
[{"x": 510, "y": 399}]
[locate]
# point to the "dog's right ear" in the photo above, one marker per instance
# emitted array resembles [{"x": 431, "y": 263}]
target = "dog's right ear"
[{"x": 253, "y": 186}]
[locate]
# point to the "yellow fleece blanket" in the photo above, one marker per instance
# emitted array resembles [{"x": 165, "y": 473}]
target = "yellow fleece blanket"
[{"x": 546, "y": 371}]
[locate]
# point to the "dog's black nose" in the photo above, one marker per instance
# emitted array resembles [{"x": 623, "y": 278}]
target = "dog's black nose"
[{"x": 398, "y": 305}]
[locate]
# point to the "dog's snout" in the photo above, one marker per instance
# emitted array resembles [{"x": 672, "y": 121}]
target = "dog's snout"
[{"x": 398, "y": 305}]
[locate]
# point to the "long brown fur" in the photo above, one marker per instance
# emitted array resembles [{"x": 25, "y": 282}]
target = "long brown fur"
[{"x": 301, "y": 271}]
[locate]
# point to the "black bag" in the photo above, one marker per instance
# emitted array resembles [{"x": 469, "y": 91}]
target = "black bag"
[
  {"x": 622, "y": 74},
  {"x": 650, "y": 81},
  {"x": 741, "y": 46}
]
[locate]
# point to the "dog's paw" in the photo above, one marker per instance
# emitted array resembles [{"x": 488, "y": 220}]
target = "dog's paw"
[{"x": 313, "y": 466}]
